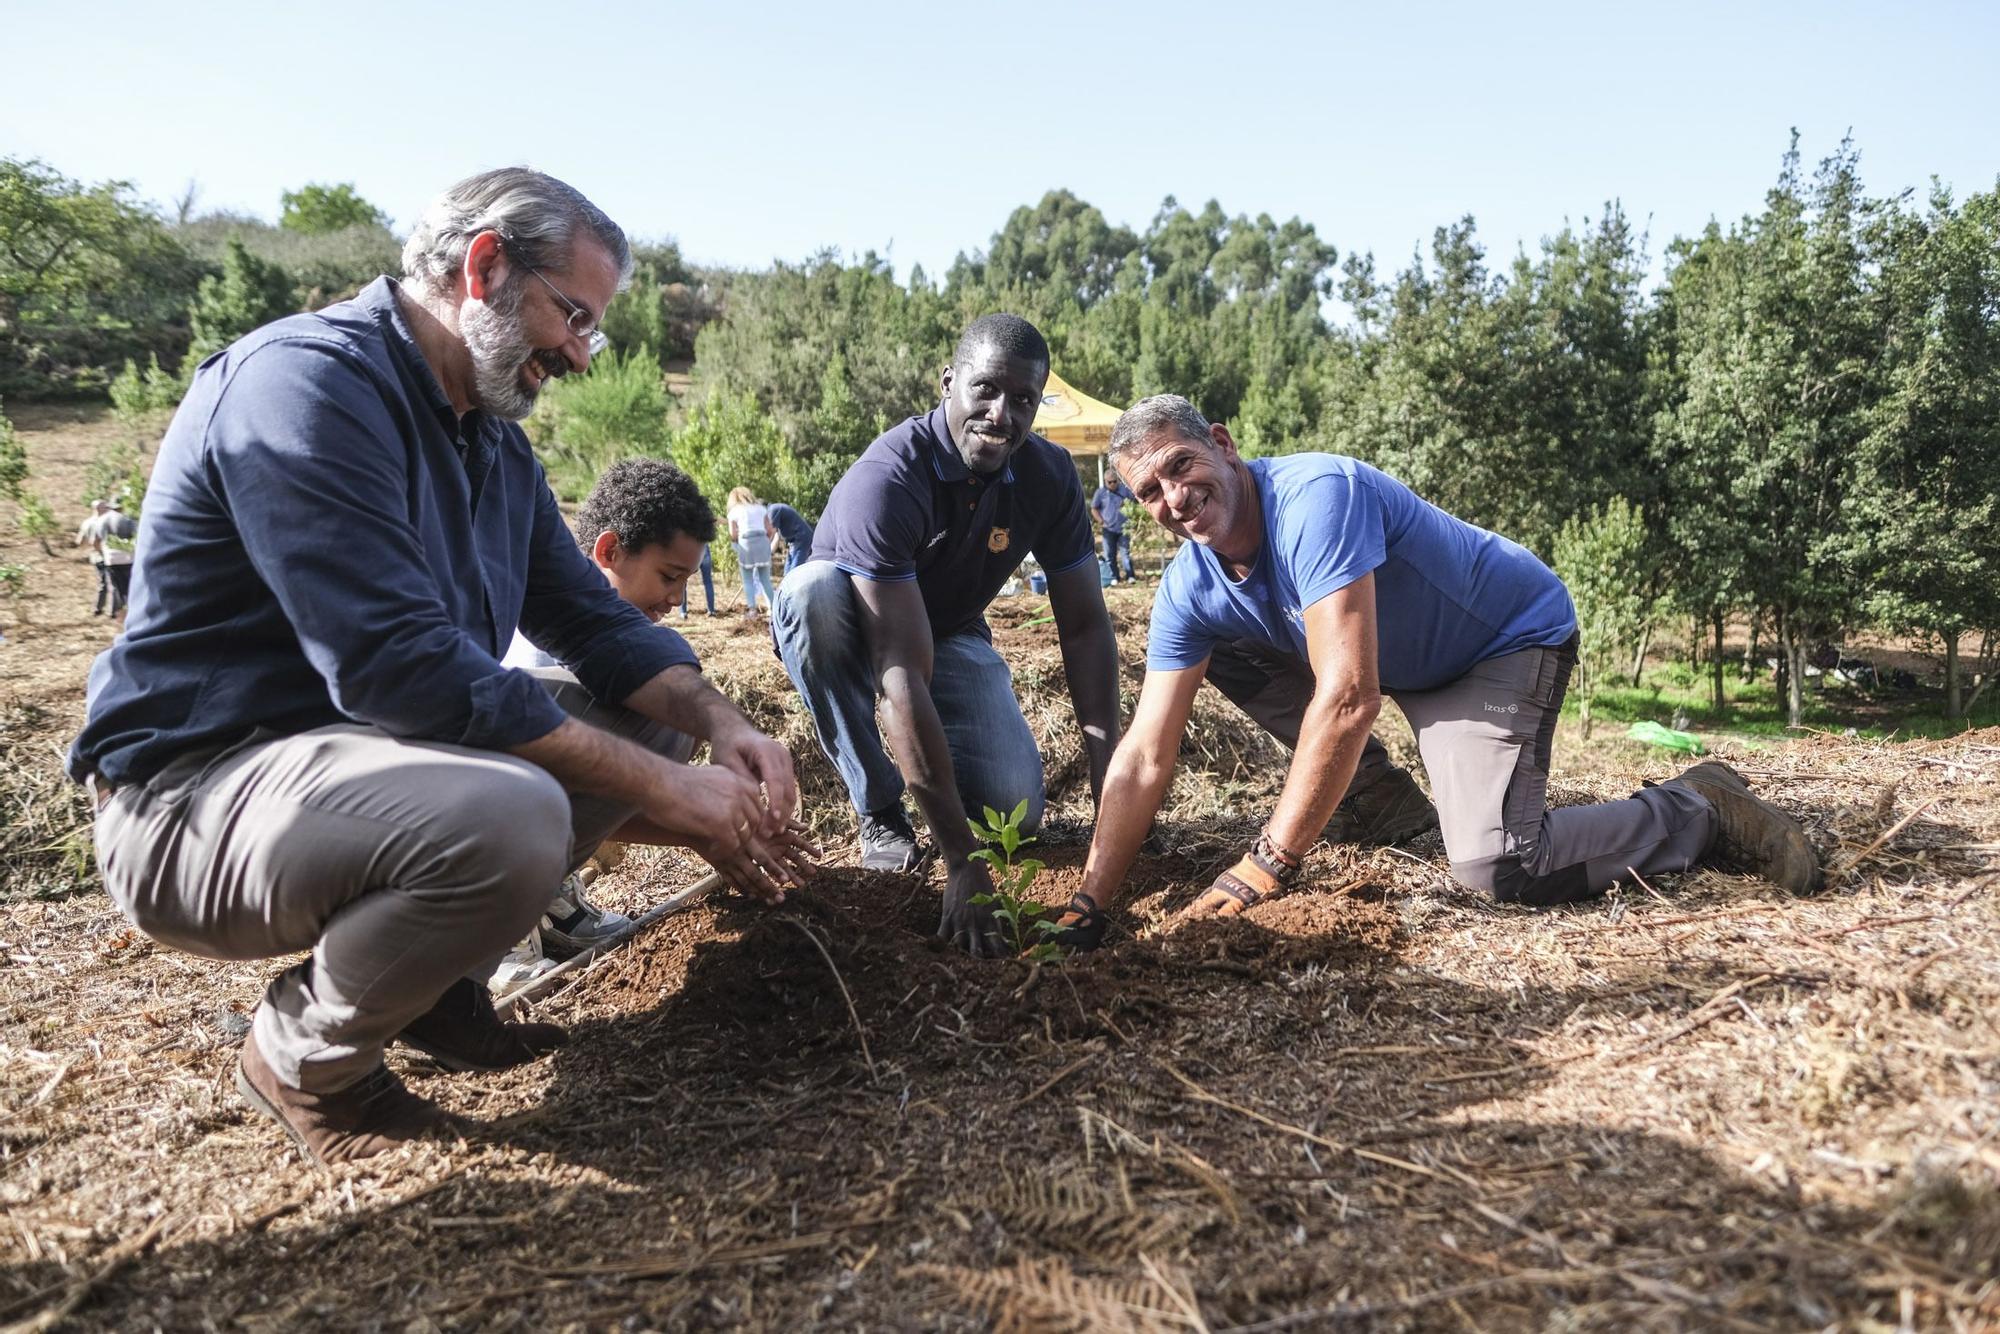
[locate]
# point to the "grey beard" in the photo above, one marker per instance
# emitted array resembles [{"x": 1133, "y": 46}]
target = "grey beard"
[{"x": 499, "y": 348}]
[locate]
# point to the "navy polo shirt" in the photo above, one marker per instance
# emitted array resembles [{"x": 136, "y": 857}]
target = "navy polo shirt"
[
  {"x": 909, "y": 508},
  {"x": 326, "y": 541}
]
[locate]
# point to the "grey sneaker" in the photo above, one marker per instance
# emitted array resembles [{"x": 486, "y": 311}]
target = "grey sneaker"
[
  {"x": 524, "y": 963},
  {"x": 574, "y": 924},
  {"x": 1393, "y": 809},
  {"x": 887, "y": 841},
  {"x": 1753, "y": 833}
]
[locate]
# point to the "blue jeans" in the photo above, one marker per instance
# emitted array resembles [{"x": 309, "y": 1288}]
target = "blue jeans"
[
  {"x": 755, "y": 577},
  {"x": 1118, "y": 543},
  {"x": 817, "y": 623},
  {"x": 707, "y": 584}
]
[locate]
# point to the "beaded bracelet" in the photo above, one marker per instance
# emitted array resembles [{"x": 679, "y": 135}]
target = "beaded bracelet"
[{"x": 1284, "y": 863}]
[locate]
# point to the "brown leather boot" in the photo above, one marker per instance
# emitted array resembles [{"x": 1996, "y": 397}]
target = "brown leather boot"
[
  {"x": 1754, "y": 834},
  {"x": 359, "y": 1121},
  {"x": 462, "y": 1032},
  {"x": 1390, "y": 810}
]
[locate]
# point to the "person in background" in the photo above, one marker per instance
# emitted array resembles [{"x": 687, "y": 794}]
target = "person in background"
[
  {"x": 91, "y": 534},
  {"x": 120, "y": 535},
  {"x": 1107, "y": 507},
  {"x": 637, "y": 526},
  {"x": 797, "y": 533},
  {"x": 750, "y": 533},
  {"x": 707, "y": 584}
]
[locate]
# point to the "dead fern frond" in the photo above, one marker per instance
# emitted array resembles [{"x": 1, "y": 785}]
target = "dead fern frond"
[
  {"x": 1072, "y": 1211},
  {"x": 1048, "y": 1297}
]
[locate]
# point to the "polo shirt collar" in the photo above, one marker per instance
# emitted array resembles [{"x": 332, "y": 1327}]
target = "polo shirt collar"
[{"x": 944, "y": 454}]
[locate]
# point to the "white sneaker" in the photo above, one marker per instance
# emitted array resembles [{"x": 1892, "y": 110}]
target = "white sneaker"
[
  {"x": 524, "y": 963},
  {"x": 574, "y": 924}
]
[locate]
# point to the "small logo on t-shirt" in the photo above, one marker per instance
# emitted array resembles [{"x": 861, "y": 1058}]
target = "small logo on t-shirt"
[
  {"x": 1294, "y": 614},
  {"x": 997, "y": 540},
  {"x": 935, "y": 539},
  {"x": 1501, "y": 708}
]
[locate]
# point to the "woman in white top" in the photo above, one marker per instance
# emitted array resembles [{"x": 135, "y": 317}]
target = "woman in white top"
[{"x": 750, "y": 533}]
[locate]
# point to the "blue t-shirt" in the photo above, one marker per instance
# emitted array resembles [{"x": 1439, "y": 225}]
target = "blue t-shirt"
[
  {"x": 909, "y": 508},
  {"x": 1448, "y": 595},
  {"x": 1109, "y": 503}
]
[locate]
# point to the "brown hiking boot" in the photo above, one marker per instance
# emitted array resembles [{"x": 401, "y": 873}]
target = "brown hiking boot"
[
  {"x": 1754, "y": 834},
  {"x": 359, "y": 1121},
  {"x": 1390, "y": 810},
  {"x": 462, "y": 1032}
]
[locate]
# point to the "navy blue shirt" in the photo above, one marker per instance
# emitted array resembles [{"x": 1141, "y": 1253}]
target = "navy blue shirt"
[
  {"x": 326, "y": 541},
  {"x": 909, "y": 508},
  {"x": 792, "y": 526}
]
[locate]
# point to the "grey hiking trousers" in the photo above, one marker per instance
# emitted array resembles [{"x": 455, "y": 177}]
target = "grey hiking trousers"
[
  {"x": 1485, "y": 740},
  {"x": 402, "y": 865}
]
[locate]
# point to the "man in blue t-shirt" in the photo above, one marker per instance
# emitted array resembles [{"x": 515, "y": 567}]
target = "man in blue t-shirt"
[
  {"x": 916, "y": 540},
  {"x": 1311, "y": 585},
  {"x": 1107, "y": 506}
]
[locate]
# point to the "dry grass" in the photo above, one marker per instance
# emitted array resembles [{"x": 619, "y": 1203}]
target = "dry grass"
[{"x": 1383, "y": 1103}]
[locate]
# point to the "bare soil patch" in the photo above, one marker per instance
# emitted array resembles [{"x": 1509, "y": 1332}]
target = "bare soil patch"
[{"x": 1381, "y": 1103}]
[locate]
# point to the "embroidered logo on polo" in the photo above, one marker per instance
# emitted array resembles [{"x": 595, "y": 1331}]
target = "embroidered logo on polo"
[{"x": 997, "y": 540}]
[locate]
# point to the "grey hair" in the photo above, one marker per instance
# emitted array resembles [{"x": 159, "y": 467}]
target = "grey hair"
[
  {"x": 1150, "y": 416},
  {"x": 538, "y": 216}
]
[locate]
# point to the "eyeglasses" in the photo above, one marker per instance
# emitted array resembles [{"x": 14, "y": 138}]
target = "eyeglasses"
[{"x": 579, "y": 319}]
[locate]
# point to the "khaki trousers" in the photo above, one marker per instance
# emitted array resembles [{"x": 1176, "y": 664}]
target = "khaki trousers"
[
  {"x": 1486, "y": 739},
  {"x": 402, "y": 865}
]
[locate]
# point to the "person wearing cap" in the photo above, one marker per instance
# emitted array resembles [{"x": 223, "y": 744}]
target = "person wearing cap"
[
  {"x": 118, "y": 537},
  {"x": 306, "y": 741},
  {"x": 91, "y": 534}
]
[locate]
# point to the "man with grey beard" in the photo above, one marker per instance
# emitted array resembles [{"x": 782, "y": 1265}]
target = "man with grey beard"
[{"x": 306, "y": 740}]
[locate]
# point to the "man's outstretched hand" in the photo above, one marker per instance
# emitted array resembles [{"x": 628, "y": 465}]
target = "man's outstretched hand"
[
  {"x": 745, "y": 750},
  {"x": 725, "y": 815},
  {"x": 968, "y": 925}
]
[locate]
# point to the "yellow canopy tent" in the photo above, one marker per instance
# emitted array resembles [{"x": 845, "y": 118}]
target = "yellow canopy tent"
[{"x": 1073, "y": 419}]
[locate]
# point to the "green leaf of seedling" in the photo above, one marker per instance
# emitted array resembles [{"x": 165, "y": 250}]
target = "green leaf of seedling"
[
  {"x": 993, "y": 820},
  {"x": 983, "y": 899},
  {"x": 1048, "y": 926},
  {"x": 1028, "y": 869},
  {"x": 986, "y": 855},
  {"x": 1046, "y": 952},
  {"x": 1020, "y": 813},
  {"x": 1010, "y": 839}
]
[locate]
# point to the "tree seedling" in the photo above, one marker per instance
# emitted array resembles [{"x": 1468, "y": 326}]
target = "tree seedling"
[{"x": 1028, "y": 924}]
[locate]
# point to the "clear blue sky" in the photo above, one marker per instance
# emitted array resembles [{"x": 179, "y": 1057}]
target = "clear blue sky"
[{"x": 754, "y": 131}]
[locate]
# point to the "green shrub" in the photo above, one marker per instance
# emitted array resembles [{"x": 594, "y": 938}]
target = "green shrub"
[
  {"x": 37, "y": 520},
  {"x": 728, "y": 442},
  {"x": 1603, "y": 557},
  {"x": 116, "y": 473},
  {"x": 587, "y": 423},
  {"x": 249, "y": 292},
  {"x": 13, "y": 460}
]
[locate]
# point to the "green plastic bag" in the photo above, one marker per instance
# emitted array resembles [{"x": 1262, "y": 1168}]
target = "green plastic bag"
[{"x": 1665, "y": 736}]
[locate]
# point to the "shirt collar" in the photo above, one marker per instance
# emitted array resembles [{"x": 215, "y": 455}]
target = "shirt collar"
[
  {"x": 944, "y": 454},
  {"x": 379, "y": 299}
]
